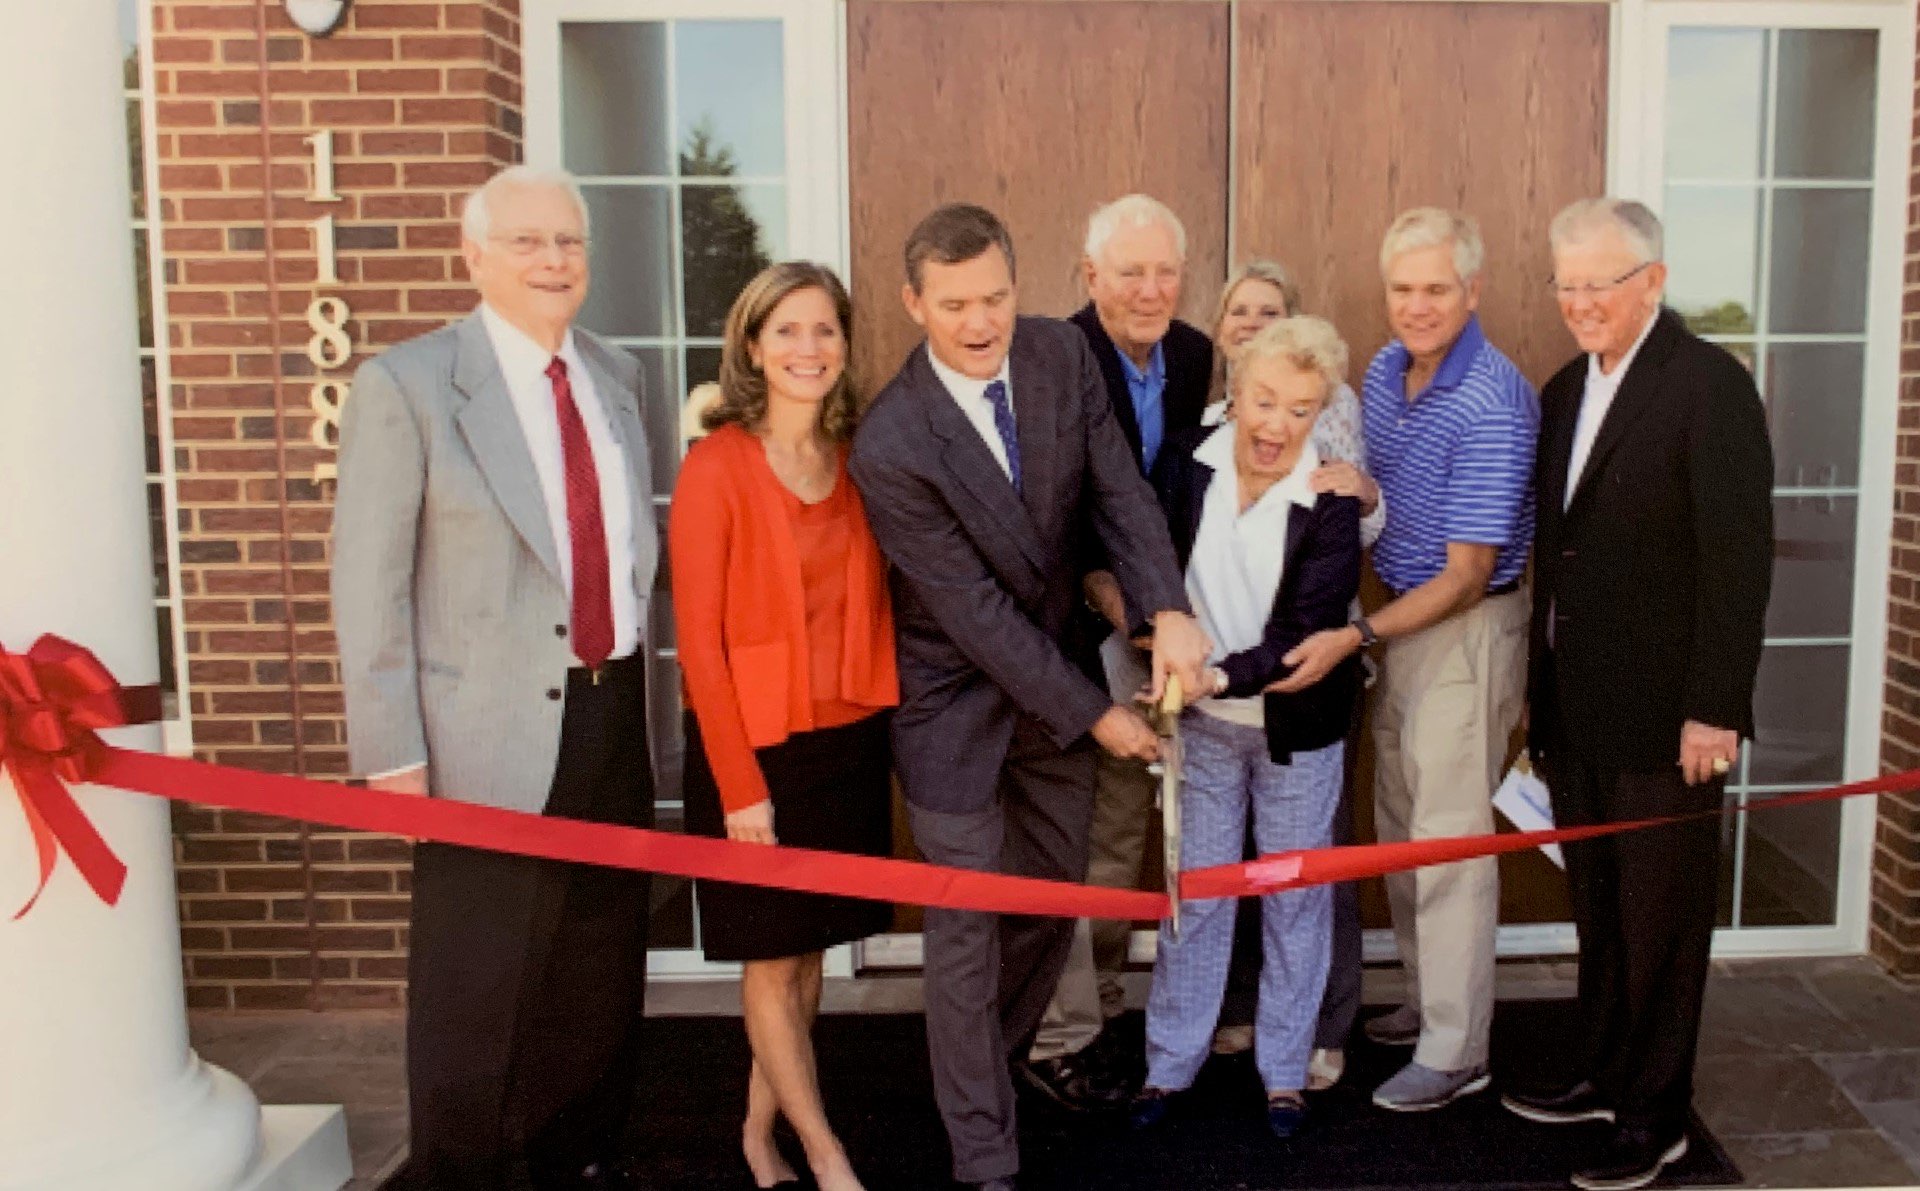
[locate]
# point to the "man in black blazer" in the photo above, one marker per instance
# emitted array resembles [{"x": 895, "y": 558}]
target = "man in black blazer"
[
  {"x": 1652, "y": 565},
  {"x": 1156, "y": 371},
  {"x": 980, "y": 464}
]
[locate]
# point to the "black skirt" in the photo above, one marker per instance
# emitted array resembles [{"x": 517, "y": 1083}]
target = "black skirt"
[{"x": 831, "y": 790}]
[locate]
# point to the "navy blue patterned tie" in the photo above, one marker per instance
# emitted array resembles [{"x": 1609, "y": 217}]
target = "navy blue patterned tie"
[{"x": 1003, "y": 422}]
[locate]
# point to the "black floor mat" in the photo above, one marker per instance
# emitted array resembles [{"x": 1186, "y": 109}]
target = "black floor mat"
[{"x": 873, "y": 1071}]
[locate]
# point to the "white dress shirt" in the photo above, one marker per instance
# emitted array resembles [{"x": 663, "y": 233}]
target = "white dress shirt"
[
  {"x": 1602, "y": 388},
  {"x": 524, "y": 365},
  {"x": 971, "y": 396},
  {"x": 1239, "y": 557}
]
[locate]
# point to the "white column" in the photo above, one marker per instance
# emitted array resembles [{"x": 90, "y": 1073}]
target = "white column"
[{"x": 98, "y": 1087}]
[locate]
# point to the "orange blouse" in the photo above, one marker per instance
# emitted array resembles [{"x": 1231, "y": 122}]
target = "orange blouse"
[{"x": 781, "y": 608}]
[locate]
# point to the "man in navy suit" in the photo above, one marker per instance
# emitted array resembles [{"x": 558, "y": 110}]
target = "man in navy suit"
[{"x": 981, "y": 464}]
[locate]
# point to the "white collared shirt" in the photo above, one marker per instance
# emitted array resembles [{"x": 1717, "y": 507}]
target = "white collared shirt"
[
  {"x": 523, "y": 363},
  {"x": 1602, "y": 388},
  {"x": 1238, "y": 558},
  {"x": 971, "y": 396}
]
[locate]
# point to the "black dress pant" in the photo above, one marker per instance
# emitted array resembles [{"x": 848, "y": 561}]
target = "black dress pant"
[
  {"x": 1644, "y": 903},
  {"x": 527, "y": 977}
]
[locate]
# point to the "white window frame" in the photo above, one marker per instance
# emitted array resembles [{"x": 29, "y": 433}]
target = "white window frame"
[
  {"x": 813, "y": 63},
  {"x": 176, "y": 732},
  {"x": 1636, "y": 151}
]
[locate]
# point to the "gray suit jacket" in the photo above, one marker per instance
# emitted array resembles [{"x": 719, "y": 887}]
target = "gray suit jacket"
[
  {"x": 447, "y": 593},
  {"x": 985, "y": 581}
]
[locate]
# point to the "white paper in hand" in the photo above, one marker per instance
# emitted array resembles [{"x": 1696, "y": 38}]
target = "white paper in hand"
[{"x": 1522, "y": 798}]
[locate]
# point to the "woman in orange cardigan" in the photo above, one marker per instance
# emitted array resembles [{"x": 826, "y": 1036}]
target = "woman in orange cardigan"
[{"x": 786, "y": 645}]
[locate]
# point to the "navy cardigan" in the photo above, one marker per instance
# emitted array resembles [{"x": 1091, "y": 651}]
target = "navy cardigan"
[{"x": 1317, "y": 586}]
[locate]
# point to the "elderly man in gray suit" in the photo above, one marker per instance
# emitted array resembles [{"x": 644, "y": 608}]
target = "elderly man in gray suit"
[
  {"x": 978, "y": 463},
  {"x": 493, "y": 549}
]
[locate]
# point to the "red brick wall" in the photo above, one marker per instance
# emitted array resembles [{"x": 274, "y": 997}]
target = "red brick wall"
[
  {"x": 423, "y": 100},
  {"x": 1895, "y": 924}
]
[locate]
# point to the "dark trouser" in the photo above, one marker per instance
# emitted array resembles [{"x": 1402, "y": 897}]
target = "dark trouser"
[
  {"x": 1340, "y": 1004},
  {"x": 527, "y": 978},
  {"x": 1644, "y": 905},
  {"x": 988, "y": 977}
]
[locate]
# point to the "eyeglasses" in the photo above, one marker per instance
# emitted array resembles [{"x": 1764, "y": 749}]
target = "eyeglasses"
[
  {"x": 1595, "y": 289},
  {"x": 529, "y": 243}
]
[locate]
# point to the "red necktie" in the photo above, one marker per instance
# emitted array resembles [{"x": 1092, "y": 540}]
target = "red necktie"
[{"x": 592, "y": 598}]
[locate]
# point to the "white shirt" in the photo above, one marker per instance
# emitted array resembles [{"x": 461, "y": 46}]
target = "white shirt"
[
  {"x": 1238, "y": 559},
  {"x": 971, "y": 396},
  {"x": 1602, "y": 388},
  {"x": 524, "y": 365}
]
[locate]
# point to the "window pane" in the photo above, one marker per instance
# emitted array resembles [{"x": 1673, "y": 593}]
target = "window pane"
[
  {"x": 1792, "y": 865},
  {"x": 157, "y": 537},
  {"x": 1800, "y": 713},
  {"x": 1819, "y": 261},
  {"x": 1812, "y": 566},
  {"x": 631, "y": 245},
  {"x": 169, "y": 688},
  {"x": 728, "y": 233},
  {"x": 659, "y": 372},
  {"x": 143, "y": 286},
  {"x": 613, "y": 97},
  {"x": 1713, "y": 254},
  {"x": 150, "y": 412},
  {"x": 136, "y": 159},
  {"x": 703, "y": 364},
  {"x": 1813, "y": 396},
  {"x": 664, "y": 713},
  {"x": 730, "y": 98},
  {"x": 1824, "y": 125},
  {"x": 1716, "y": 87}
]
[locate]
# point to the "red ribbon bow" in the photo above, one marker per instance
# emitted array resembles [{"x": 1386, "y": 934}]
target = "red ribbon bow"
[{"x": 52, "y": 699}]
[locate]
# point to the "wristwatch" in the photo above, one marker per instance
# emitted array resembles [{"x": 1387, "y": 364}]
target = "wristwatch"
[
  {"x": 1217, "y": 679},
  {"x": 1368, "y": 638}
]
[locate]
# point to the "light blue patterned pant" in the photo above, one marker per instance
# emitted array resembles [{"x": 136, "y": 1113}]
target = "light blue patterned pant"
[{"x": 1226, "y": 771}]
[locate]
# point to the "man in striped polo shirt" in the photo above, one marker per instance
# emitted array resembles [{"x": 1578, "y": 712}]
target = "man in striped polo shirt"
[{"x": 1451, "y": 428}]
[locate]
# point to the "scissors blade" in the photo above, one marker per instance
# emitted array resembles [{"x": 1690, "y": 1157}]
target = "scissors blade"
[{"x": 1171, "y": 759}]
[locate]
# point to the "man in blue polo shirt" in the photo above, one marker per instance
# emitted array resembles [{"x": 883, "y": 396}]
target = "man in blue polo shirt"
[{"x": 1451, "y": 427}]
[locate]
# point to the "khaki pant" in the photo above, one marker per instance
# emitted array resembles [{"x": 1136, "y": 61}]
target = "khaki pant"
[{"x": 1446, "y": 704}]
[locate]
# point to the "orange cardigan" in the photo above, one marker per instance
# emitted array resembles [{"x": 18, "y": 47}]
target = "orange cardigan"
[{"x": 741, "y": 613}]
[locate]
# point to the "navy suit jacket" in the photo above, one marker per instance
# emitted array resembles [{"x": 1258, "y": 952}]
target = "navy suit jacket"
[
  {"x": 985, "y": 580},
  {"x": 1317, "y": 585}
]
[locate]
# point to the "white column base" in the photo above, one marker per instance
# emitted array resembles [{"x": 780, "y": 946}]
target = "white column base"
[
  {"x": 201, "y": 1137},
  {"x": 303, "y": 1147}
]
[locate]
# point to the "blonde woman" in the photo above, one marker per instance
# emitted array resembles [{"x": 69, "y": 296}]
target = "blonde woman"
[{"x": 1268, "y": 561}]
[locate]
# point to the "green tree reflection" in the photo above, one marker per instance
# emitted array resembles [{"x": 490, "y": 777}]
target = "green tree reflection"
[{"x": 720, "y": 238}]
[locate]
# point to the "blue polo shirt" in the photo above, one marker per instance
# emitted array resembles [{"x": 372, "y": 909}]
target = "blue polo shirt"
[
  {"x": 1455, "y": 464},
  {"x": 1149, "y": 409}
]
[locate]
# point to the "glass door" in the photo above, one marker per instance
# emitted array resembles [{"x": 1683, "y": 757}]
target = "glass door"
[
  {"x": 705, "y": 138},
  {"x": 1771, "y": 163}
]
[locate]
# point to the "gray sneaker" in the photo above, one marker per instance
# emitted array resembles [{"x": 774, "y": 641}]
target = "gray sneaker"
[
  {"x": 1421, "y": 1089},
  {"x": 1398, "y": 1028}
]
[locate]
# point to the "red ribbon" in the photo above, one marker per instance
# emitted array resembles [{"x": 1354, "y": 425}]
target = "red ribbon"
[{"x": 54, "y": 698}]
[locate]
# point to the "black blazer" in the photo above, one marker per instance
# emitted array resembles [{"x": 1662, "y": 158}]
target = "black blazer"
[
  {"x": 1188, "y": 356},
  {"x": 985, "y": 581},
  {"x": 1656, "y": 576},
  {"x": 1317, "y": 586}
]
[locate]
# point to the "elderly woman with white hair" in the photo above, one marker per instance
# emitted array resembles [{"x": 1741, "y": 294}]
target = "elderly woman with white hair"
[{"x": 1268, "y": 561}]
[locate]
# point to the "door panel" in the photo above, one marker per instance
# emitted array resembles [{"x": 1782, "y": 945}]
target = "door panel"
[
  {"x": 1351, "y": 111},
  {"x": 1039, "y": 112}
]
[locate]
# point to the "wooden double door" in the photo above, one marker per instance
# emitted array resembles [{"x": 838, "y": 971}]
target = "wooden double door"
[{"x": 1288, "y": 129}]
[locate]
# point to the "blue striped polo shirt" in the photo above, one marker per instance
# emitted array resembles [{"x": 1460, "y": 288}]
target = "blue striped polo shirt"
[{"x": 1455, "y": 464}]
